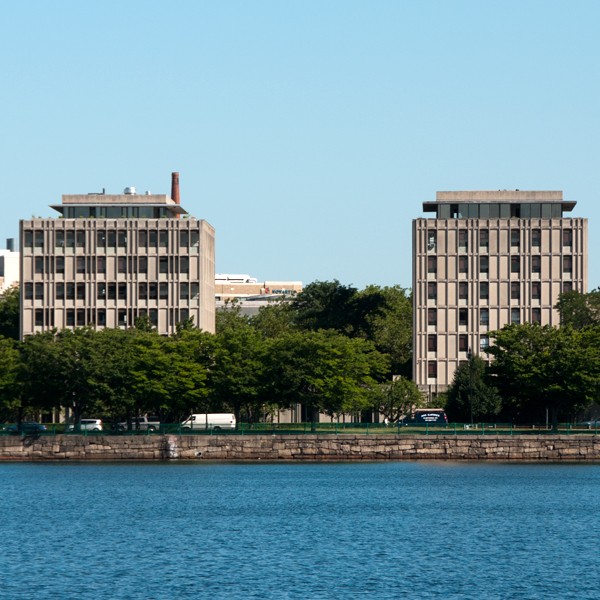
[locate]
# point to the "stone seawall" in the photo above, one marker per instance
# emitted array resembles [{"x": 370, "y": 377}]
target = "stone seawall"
[{"x": 542, "y": 448}]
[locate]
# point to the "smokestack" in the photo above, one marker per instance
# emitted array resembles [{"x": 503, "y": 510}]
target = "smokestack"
[{"x": 175, "y": 187}]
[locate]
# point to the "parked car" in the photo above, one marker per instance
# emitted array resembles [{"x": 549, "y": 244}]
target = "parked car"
[
  {"x": 593, "y": 424},
  {"x": 150, "y": 424},
  {"x": 214, "y": 421},
  {"x": 86, "y": 425},
  {"x": 26, "y": 428}
]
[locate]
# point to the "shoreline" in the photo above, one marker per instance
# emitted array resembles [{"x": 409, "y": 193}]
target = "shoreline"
[{"x": 302, "y": 448}]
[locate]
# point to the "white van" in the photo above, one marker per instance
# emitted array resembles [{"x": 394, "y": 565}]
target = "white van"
[{"x": 215, "y": 421}]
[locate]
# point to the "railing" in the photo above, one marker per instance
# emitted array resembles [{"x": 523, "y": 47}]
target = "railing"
[{"x": 456, "y": 429}]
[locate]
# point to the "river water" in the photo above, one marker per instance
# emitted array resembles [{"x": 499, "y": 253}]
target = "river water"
[{"x": 299, "y": 531}]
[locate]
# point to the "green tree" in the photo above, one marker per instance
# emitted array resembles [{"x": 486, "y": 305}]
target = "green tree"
[
  {"x": 542, "y": 368},
  {"x": 390, "y": 327},
  {"x": 579, "y": 310},
  {"x": 470, "y": 397},
  {"x": 9, "y": 313},
  {"x": 274, "y": 320},
  {"x": 397, "y": 399},
  {"x": 10, "y": 364},
  {"x": 331, "y": 305},
  {"x": 322, "y": 370}
]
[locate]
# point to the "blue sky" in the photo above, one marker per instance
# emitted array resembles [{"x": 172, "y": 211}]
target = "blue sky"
[{"x": 308, "y": 133}]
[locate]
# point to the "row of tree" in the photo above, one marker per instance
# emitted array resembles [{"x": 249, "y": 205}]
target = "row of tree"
[
  {"x": 332, "y": 349},
  {"x": 538, "y": 373}
]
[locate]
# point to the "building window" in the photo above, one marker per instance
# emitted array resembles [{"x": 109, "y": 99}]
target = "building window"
[
  {"x": 122, "y": 239},
  {"x": 567, "y": 264},
  {"x": 484, "y": 290},
  {"x": 184, "y": 239},
  {"x": 153, "y": 316},
  {"x": 101, "y": 290},
  {"x": 112, "y": 291},
  {"x": 484, "y": 343},
  {"x": 184, "y": 291},
  {"x": 484, "y": 265},
  {"x": 142, "y": 239},
  {"x": 163, "y": 291},
  {"x": 484, "y": 238},
  {"x": 515, "y": 264},
  {"x": 194, "y": 239},
  {"x": 59, "y": 239},
  {"x": 121, "y": 264},
  {"x": 431, "y": 241},
  {"x": 80, "y": 291},
  {"x": 38, "y": 264},
  {"x": 536, "y": 290},
  {"x": 463, "y": 291},
  {"x": 152, "y": 291},
  {"x": 122, "y": 290},
  {"x": 39, "y": 317},
  {"x": 432, "y": 316},
  {"x": 102, "y": 317},
  {"x": 194, "y": 290},
  {"x": 463, "y": 316},
  {"x": 463, "y": 264},
  {"x": 432, "y": 342},
  {"x": 515, "y": 316},
  {"x": 163, "y": 239},
  {"x": 567, "y": 237},
  {"x": 153, "y": 239},
  {"x": 432, "y": 265},
  {"x": 432, "y": 291},
  {"x": 38, "y": 239},
  {"x": 80, "y": 317},
  {"x": 101, "y": 239},
  {"x": 60, "y": 265},
  {"x": 536, "y": 315},
  {"x": 80, "y": 264},
  {"x": 39, "y": 291},
  {"x": 143, "y": 264},
  {"x": 70, "y": 289},
  {"x": 80, "y": 239},
  {"x": 536, "y": 264},
  {"x": 163, "y": 264},
  {"x": 536, "y": 238},
  {"x": 101, "y": 265},
  {"x": 515, "y": 290},
  {"x": 567, "y": 287},
  {"x": 515, "y": 238},
  {"x": 432, "y": 369},
  {"x": 463, "y": 240},
  {"x": 60, "y": 291},
  {"x": 70, "y": 317},
  {"x": 463, "y": 343},
  {"x": 484, "y": 317},
  {"x": 184, "y": 264},
  {"x": 122, "y": 317},
  {"x": 142, "y": 291}
]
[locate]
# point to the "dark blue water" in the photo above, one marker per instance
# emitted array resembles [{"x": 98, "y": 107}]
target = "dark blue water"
[{"x": 305, "y": 531}]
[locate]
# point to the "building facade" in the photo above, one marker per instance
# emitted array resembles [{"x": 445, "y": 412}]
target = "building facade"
[
  {"x": 485, "y": 260},
  {"x": 109, "y": 259},
  {"x": 9, "y": 267}
]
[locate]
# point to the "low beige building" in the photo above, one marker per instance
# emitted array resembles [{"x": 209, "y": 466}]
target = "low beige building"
[
  {"x": 487, "y": 259},
  {"x": 111, "y": 258}
]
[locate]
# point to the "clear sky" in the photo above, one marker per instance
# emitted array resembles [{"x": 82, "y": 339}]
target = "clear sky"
[{"x": 308, "y": 133}]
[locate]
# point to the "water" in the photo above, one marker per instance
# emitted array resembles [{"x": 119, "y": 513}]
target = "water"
[{"x": 299, "y": 531}]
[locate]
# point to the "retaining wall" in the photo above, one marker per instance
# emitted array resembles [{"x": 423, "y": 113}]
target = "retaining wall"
[{"x": 559, "y": 448}]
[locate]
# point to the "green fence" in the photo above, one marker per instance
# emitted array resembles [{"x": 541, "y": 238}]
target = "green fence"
[{"x": 457, "y": 429}]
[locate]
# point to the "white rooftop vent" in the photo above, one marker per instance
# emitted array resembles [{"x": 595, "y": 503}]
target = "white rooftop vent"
[{"x": 129, "y": 190}]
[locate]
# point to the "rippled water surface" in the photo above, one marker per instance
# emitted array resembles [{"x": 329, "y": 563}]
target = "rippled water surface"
[{"x": 306, "y": 531}]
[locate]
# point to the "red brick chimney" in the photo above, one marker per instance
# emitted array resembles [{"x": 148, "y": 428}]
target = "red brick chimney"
[{"x": 175, "y": 187}]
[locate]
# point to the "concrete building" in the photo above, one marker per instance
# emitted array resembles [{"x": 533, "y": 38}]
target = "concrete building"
[
  {"x": 249, "y": 294},
  {"x": 9, "y": 266},
  {"x": 485, "y": 260},
  {"x": 110, "y": 258}
]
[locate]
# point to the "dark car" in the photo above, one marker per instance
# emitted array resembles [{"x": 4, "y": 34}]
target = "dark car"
[
  {"x": 28, "y": 428},
  {"x": 428, "y": 416}
]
